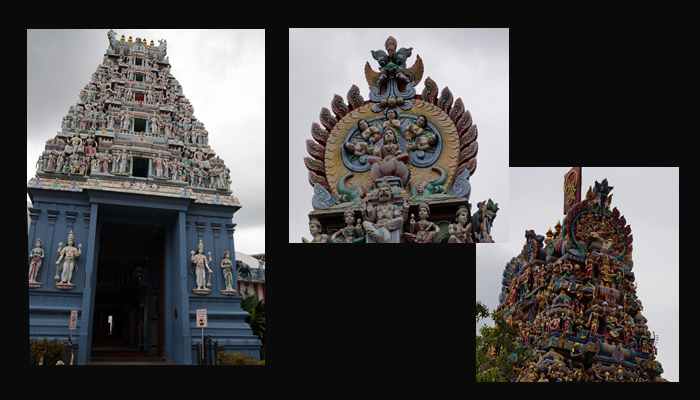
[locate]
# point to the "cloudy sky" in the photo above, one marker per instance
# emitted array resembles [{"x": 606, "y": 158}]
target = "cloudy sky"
[
  {"x": 222, "y": 73},
  {"x": 473, "y": 63},
  {"x": 647, "y": 197}
]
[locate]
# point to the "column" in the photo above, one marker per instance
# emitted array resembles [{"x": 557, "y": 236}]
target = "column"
[
  {"x": 230, "y": 228},
  {"x": 51, "y": 255},
  {"x": 216, "y": 260},
  {"x": 183, "y": 304},
  {"x": 86, "y": 312}
]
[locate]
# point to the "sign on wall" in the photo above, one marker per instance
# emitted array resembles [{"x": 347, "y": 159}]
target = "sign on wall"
[
  {"x": 73, "y": 321},
  {"x": 202, "y": 318}
]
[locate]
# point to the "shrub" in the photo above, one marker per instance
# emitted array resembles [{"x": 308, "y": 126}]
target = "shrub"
[
  {"x": 51, "y": 351},
  {"x": 232, "y": 358}
]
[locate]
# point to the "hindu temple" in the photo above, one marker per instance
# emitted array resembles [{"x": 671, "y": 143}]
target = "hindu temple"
[
  {"x": 395, "y": 167},
  {"x": 131, "y": 220},
  {"x": 571, "y": 297}
]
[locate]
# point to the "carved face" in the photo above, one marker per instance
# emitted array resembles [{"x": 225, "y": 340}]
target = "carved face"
[
  {"x": 462, "y": 217},
  {"x": 391, "y": 114},
  {"x": 389, "y": 138},
  {"x": 423, "y": 212},
  {"x": 363, "y": 125},
  {"x": 385, "y": 193},
  {"x": 200, "y": 247},
  {"x": 37, "y": 243},
  {"x": 71, "y": 241},
  {"x": 349, "y": 217},
  {"x": 421, "y": 121},
  {"x": 314, "y": 228}
]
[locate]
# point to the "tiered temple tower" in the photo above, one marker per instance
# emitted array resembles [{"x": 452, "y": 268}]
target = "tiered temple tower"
[
  {"x": 395, "y": 168},
  {"x": 130, "y": 200},
  {"x": 571, "y": 297}
]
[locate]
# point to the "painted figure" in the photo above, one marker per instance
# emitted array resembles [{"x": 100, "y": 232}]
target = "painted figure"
[
  {"x": 68, "y": 254},
  {"x": 201, "y": 267},
  {"x": 36, "y": 258}
]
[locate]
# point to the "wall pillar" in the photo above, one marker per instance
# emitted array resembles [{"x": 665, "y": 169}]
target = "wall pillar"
[
  {"x": 87, "y": 309},
  {"x": 183, "y": 305}
]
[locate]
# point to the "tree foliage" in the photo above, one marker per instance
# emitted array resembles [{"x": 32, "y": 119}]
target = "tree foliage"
[{"x": 497, "y": 350}]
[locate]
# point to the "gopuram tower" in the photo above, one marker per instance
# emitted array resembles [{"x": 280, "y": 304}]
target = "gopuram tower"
[
  {"x": 396, "y": 167},
  {"x": 570, "y": 296},
  {"x": 132, "y": 220}
]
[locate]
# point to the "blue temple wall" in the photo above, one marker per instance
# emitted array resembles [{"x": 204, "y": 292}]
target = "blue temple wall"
[{"x": 54, "y": 213}]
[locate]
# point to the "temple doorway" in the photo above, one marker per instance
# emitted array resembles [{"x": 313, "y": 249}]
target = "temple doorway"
[{"x": 128, "y": 307}]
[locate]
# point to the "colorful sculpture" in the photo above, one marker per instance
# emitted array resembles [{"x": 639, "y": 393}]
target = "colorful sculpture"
[
  {"x": 202, "y": 272},
  {"x": 36, "y": 258},
  {"x": 423, "y": 146},
  {"x": 69, "y": 255},
  {"x": 572, "y": 301}
]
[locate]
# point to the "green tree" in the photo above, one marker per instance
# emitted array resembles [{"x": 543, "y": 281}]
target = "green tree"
[
  {"x": 256, "y": 316},
  {"x": 497, "y": 351}
]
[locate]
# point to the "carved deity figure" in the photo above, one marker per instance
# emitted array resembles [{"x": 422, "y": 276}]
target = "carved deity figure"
[
  {"x": 227, "y": 269},
  {"x": 67, "y": 254},
  {"x": 369, "y": 133},
  {"x": 316, "y": 236},
  {"x": 388, "y": 159},
  {"x": 352, "y": 232},
  {"x": 384, "y": 218},
  {"x": 201, "y": 267},
  {"x": 419, "y": 136},
  {"x": 36, "y": 258},
  {"x": 461, "y": 230},
  {"x": 422, "y": 231}
]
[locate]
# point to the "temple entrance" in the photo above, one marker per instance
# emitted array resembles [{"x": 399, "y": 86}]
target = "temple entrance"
[{"x": 128, "y": 309}]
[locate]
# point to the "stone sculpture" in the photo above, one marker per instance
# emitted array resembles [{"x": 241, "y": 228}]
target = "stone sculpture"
[
  {"x": 422, "y": 231},
  {"x": 461, "y": 230},
  {"x": 227, "y": 269},
  {"x": 36, "y": 258},
  {"x": 69, "y": 255},
  {"x": 201, "y": 270},
  {"x": 352, "y": 232},
  {"x": 316, "y": 229},
  {"x": 384, "y": 219}
]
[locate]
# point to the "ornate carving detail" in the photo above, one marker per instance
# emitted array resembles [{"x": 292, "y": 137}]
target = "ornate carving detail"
[
  {"x": 327, "y": 120},
  {"x": 355, "y": 99},
  {"x": 318, "y": 133},
  {"x": 445, "y": 101},
  {"x": 52, "y": 215},
  {"x": 227, "y": 271},
  {"x": 322, "y": 198},
  {"x": 316, "y": 230},
  {"x": 430, "y": 91},
  {"x": 339, "y": 107},
  {"x": 36, "y": 258},
  {"x": 462, "y": 187},
  {"x": 315, "y": 149}
]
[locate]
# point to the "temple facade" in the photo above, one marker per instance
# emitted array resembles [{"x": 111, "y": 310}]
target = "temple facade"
[
  {"x": 131, "y": 220},
  {"x": 570, "y": 297},
  {"x": 396, "y": 167}
]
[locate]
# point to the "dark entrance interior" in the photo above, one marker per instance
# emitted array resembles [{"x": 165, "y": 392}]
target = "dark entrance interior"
[{"x": 127, "y": 321}]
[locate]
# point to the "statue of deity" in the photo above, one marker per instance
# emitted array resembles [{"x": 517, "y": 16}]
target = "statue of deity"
[
  {"x": 316, "y": 236},
  {"x": 461, "y": 231},
  {"x": 36, "y": 257},
  {"x": 419, "y": 136},
  {"x": 384, "y": 218},
  {"x": 388, "y": 159},
  {"x": 352, "y": 233},
  {"x": 227, "y": 269},
  {"x": 201, "y": 267},
  {"x": 67, "y": 254},
  {"x": 422, "y": 231}
]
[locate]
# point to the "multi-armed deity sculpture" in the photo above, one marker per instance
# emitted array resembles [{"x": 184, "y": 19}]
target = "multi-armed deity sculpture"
[
  {"x": 202, "y": 271},
  {"x": 133, "y": 110},
  {"x": 372, "y": 162},
  {"x": 571, "y": 298},
  {"x": 67, "y": 254}
]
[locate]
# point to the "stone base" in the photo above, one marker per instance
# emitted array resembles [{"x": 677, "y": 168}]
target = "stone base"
[
  {"x": 65, "y": 286},
  {"x": 201, "y": 292},
  {"x": 229, "y": 292},
  {"x": 34, "y": 285}
]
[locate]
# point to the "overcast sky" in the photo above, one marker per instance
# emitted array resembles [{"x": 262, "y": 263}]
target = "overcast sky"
[
  {"x": 222, "y": 73},
  {"x": 473, "y": 63},
  {"x": 647, "y": 197}
]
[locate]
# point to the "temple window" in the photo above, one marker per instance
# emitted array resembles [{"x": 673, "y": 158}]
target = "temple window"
[
  {"x": 138, "y": 61},
  {"x": 140, "y": 168},
  {"x": 138, "y": 77},
  {"x": 140, "y": 123}
]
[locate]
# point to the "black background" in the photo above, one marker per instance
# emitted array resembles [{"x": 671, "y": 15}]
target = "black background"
[{"x": 340, "y": 317}]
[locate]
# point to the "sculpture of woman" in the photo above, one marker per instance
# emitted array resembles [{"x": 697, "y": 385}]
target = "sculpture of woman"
[
  {"x": 51, "y": 162},
  {"x": 36, "y": 258},
  {"x": 69, "y": 255},
  {"x": 422, "y": 231},
  {"x": 389, "y": 160},
  {"x": 94, "y": 165},
  {"x": 461, "y": 231},
  {"x": 158, "y": 166},
  {"x": 352, "y": 232},
  {"x": 201, "y": 266},
  {"x": 227, "y": 269},
  {"x": 316, "y": 236}
]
